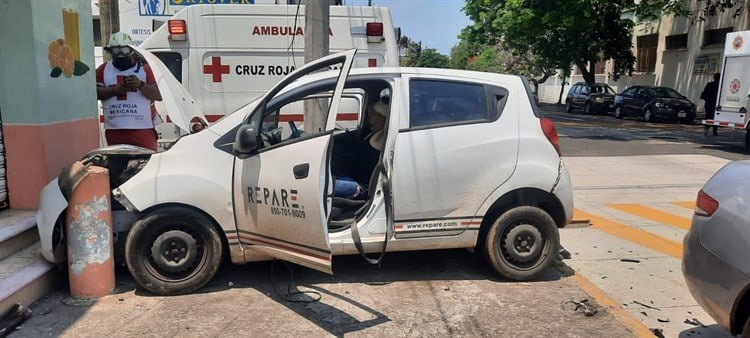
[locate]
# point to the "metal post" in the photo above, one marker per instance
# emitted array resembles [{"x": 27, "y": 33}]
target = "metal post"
[
  {"x": 91, "y": 268},
  {"x": 317, "y": 17},
  {"x": 109, "y": 21}
]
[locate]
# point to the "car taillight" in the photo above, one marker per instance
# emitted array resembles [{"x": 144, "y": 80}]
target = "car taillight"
[
  {"x": 177, "y": 29},
  {"x": 549, "y": 131},
  {"x": 374, "y": 31},
  {"x": 705, "y": 205}
]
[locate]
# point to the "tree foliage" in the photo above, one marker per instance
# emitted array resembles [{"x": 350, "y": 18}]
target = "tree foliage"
[
  {"x": 703, "y": 9},
  {"x": 413, "y": 55},
  {"x": 557, "y": 33}
]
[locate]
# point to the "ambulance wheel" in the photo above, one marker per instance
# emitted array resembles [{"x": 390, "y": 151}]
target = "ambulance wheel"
[
  {"x": 521, "y": 243},
  {"x": 173, "y": 250},
  {"x": 747, "y": 138}
]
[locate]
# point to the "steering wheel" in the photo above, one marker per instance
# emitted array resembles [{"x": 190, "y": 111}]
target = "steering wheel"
[{"x": 271, "y": 136}]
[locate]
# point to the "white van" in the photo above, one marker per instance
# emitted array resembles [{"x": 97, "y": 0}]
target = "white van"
[{"x": 227, "y": 55}]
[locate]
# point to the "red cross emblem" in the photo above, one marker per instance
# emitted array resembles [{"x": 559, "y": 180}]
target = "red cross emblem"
[{"x": 216, "y": 69}]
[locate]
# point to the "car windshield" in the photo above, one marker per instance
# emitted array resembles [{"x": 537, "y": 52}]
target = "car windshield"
[
  {"x": 665, "y": 92},
  {"x": 602, "y": 88}
]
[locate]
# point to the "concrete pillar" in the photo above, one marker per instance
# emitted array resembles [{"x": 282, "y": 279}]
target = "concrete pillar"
[{"x": 91, "y": 266}]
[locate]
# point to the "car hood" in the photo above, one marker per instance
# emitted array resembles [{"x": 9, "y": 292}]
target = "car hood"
[{"x": 177, "y": 105}]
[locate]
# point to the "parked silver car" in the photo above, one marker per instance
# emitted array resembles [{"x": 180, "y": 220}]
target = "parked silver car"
[{"x": 717, "y": 247}]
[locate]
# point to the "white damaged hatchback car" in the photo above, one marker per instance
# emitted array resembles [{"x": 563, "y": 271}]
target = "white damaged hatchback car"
[{"x": 467, "y": 162}]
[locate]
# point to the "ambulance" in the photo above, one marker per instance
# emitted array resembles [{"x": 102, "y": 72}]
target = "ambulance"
[
  {"x": 734, "y": 86},
  {"x": 227, "y": 55}
]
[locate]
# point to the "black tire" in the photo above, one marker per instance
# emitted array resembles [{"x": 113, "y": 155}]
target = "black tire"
[
  {"x": 648, "y": 115},
  {"x": 618, "y": 112},
  {"x": 568, "y": 107},
  {"x": 747, "y": 138},
  {"x": 521, "y": 243},
  {"x": 746, "y": 329},
  {"x": 173, "y": 250},
  {"x": 689, "y": 119},
  {"x": 588, "y": 109}
]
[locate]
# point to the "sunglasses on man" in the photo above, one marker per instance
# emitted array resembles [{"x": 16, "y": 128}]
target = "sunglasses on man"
[{"x": 120, "y": 51}]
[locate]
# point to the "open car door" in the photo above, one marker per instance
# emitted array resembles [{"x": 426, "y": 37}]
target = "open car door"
[{"x": 282, "y": 184}]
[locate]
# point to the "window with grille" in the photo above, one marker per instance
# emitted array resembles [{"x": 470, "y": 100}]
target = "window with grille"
[
  {"x": 646, "y": 53},
  {"x": 715, "y": 37},
  {"x": 678, "y": 41}
]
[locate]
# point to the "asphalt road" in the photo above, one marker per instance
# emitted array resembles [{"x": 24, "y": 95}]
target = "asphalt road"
[{"x": 604, "y": 135}]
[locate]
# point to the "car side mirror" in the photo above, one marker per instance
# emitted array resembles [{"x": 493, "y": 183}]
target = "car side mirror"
[{"x": 246, "y": 140}]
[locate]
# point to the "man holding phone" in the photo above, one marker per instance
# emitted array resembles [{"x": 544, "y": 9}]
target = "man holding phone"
[{"x": 127, "y": 89}]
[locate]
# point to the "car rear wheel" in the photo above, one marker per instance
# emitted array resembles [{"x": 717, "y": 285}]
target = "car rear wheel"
[
  {"x": 588, "y": 109},
  {"x": 173, "y": 250},
  {"x": 618, "y": 112},
  {"x": 521, "y": 243},
  {"x": 648, "y": 115}
]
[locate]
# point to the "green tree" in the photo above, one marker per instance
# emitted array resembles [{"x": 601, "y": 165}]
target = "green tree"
[
  {"x": 431, "y": 58},
  {"x": 702, "y": 9},
  {"x": 557, "y": 33},
  {"x": 409, "y": 51}
]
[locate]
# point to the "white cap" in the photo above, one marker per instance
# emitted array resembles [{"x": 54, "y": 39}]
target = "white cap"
[{"x": 381, "y": 108}]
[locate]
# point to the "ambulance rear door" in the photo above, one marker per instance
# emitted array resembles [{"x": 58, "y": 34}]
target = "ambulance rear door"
[{"x": 735, "y": 81}]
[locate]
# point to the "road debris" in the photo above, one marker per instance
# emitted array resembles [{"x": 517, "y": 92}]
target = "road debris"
[
  {"x": 662, "y": 320},
  {"x": 580, "y": 306},
  {"x": 694, "y": 321},
  {"x": 630, "y": 260},
  {"x": 658, "y": 332},
  {"x": 644, "y": 305},
  {"x": 230, "y": 284}
]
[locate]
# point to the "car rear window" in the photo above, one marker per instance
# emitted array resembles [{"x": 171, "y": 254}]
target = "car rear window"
[{"x": 434, "y": 102}]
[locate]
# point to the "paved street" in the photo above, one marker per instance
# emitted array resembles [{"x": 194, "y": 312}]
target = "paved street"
[{"x": 635, "y": 183}]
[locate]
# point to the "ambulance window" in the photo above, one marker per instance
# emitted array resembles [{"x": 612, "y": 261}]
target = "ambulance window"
[{"x": 173, "y": 61}]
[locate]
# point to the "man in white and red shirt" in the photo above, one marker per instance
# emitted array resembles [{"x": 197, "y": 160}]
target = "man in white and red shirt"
[{"x": 127, "y": 90}]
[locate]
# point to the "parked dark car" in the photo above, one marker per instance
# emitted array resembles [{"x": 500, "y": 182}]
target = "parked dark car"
[
  {"x": 654, "y": 103},
  {"x": 597, "y": 98}
]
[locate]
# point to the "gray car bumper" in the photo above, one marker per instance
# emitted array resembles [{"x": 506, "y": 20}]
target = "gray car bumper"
[{"x": 714, "y": 284}]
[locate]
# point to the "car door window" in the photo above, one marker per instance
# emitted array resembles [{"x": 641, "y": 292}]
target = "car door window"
[{"x": 438, "y": 103}]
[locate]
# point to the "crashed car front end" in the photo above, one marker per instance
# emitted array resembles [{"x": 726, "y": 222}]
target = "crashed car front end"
[{"x": 122, "y": 161}]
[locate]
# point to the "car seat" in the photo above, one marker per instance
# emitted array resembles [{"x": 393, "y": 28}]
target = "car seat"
[{"x": 345, "y": 210}]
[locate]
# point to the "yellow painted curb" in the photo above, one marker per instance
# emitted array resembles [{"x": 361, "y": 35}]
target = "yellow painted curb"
[{"x": 632, "y": 234}]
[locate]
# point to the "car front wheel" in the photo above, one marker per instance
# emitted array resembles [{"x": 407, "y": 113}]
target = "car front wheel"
[
  {"x": 568, "y": 107},
  {"x": 588, "y": 109},
  {"x": 618, "y": 112},
  {"x": 173, "y": 250},
  {"x": 648, "y": 115},
  {"x": 521, "y": 243}
]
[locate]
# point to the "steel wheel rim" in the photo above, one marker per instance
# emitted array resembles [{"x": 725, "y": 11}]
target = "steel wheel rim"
[
  {"x": 522, "y": 245},
  {"x": 188, "y": 262}
]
